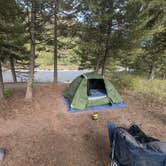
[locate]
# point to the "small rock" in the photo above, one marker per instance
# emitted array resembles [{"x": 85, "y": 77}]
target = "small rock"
[{"x": 2, "y": 154}]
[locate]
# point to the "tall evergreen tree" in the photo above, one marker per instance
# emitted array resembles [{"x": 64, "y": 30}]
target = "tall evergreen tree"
[
  {"x": 55, "y": 41},
  {"x": 151, "y": 30},
  {"x": 104, "y": 30},
  {"x": 12, "y": 35},
  {"x": 32, "y": 52},
  {"x": 1, "y": 83}
]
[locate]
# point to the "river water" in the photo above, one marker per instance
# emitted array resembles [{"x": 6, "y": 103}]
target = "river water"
[{"x": 45, "y": 75}]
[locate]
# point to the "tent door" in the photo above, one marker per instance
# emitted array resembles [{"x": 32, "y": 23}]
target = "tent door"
[{"x": 96, "y": 89}]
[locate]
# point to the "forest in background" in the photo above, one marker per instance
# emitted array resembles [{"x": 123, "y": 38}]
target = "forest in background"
[{"x": 87, "y": 34}]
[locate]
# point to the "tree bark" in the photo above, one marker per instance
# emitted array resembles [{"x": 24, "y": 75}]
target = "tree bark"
[
  {"x": 55, "y": 43},
  {"x": 1, "y": 84},
  {"x": 12, "y": 67},
  {"x": 107, "y": 43},
  {"x": 97, "y": 67},
  {"x": 152, "y": 72},
  {"x": 32, "y": 53},
  {"x": 164, "y": 76},
  {"x": 106, "y": 47},
  {"x": 99, "y": 52}
]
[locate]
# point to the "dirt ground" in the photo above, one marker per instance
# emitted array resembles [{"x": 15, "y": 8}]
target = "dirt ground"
[{"x": 43, "y": 133}]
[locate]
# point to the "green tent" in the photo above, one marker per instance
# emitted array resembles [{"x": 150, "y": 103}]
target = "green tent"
[{"x": 91, "y": 89}]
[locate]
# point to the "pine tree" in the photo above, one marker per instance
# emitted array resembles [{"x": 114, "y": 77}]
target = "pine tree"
[
  {"x": 1, "y": 83},
  {"x": 55, "y": 41},
  {"x": 151, "y": 32},
  {"x": 12, "y": 35},
  {"x": 32, "y": 52},
  {"x": 104, "y": 31}
]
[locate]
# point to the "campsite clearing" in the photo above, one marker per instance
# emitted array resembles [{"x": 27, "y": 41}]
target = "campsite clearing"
[{"x": 42, "y": 132}]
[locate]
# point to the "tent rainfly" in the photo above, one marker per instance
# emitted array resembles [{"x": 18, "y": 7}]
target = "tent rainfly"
[{"x": 91, "y": 89}]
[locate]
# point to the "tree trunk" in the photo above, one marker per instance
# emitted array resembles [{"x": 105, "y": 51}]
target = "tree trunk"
[
  {"x": 1, "y": 84},
  {"x": 97, "y": 67},
  {"x": 12, "y": 67},
  {"x": 99, "y": 52},
  {"x": 55, "y": 43},
  {"x": 152, "y": 72},
  {"x": 107, "y": 43},
  {"x": 32, "y": 53},
  {"x": 106, "y": 48},
  {"x": 164, "y": 76}
]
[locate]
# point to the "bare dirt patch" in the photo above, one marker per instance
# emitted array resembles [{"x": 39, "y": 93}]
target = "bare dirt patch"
[{"x": 43, "y": 133}]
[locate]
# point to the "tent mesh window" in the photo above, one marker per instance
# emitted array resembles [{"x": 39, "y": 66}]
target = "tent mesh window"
[{"x": 96, "y": 88}]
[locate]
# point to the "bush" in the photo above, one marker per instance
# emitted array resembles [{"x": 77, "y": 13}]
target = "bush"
[
  {"x": 123, "y": 81},
  {"x": 155, "y": 89},
  {"x": 8, "y": 92}
]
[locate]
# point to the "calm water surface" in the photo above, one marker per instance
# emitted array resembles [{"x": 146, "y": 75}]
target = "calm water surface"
[{"x": 46, "y": 75}]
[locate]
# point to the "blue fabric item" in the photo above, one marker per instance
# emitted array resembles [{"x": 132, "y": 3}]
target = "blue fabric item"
[
  {"x": 97, "y": 93},
  {"x": 94, "y": 108},
  {"x": 111, "y": 129},
  {"x": 131, "y": 148}
]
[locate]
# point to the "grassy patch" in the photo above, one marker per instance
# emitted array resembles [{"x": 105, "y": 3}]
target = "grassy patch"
[
  {"x": 152, "y": 89},
  {"x": 8, "y": 92}
]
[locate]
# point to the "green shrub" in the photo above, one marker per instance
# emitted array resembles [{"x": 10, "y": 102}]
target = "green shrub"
[
  {"x": 155, "y": 89},
  {"x": 8, "y": 92},
  {"x": 123, "y": 80}
]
